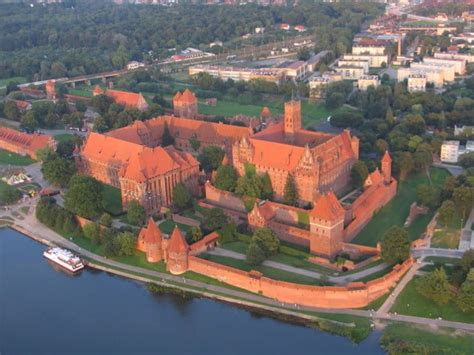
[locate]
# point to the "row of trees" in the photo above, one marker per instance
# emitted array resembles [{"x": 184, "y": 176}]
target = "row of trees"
[
  {"x": 93, "y": 37},
  {"x": 459, "y": 287}
]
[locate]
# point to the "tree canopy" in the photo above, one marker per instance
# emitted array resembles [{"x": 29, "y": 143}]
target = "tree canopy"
[
  {"x": 84, "y": 196},
  {"x": 395, "y": 245}
]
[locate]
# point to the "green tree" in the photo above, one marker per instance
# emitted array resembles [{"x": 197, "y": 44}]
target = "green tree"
[
  {"x": 267, "y": 188},
  {"x": 267, "y": 241},
  {"x": 446, "y": 212},
  {"x": 255, "y": 255},
  {"x": 9, "y": 195},
  {"x": 58, "y": 171},
  {"x": 226, "y": 178},
  {"x": 359, "y": 174},
  {"x": 465, "y": 297},
  {"x": 195, "y": 234},
  {"x": 167, "y": 139},
  {"x": 135, "y": 213},
  {"x": 44, "y": 154},
  {"x": 290, "y": 194},
  {"x": 84, "y": 196},
  {"x": 405, "y": 165},
  {"x": 395, "y": 245},
  {"x": 211, "y": 158},
  {"x": 214, "y": 218},
  {"x": 92, "y": 231},
  {"x": 105, "y": 220},
  {"x": 126, "y": 242},
  {"x": 111, "y": 245},
  {"x": 249, "y": 185},
  {"x": 29, "y": 121},
  {"x": 181, "y": 197},
  {"x": 304, "y": 54},
  {"x": 463, "y": 198},
  {"x": 435, "y": 286},
  {"x": 195, "y": 144},
  {"x": 427, "y": 195},
  {"x": 10, "y": 110}
]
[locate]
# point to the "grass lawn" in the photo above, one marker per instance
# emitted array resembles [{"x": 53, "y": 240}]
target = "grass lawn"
[
  {"x": 376, "y": 275},
  {"x": 64, "y": 137},
  {"x": 168, "y": 226},
  {"x": 8, "y": 194},
  {"x": 9, "y": 158},
  {"x": 426, "y": 341},
  {"x": 288, "y": 255},
  {"x": 448, "y": 236},
  {"x": 270, "y": 272},
  {"x": 85, "y": 91},
  {"x": 410, "y": 302},
  {"x": 15, "y": 79},
  {"x": 312, "y": 113},
  {"x": 112, "y": 200},
  {"x": 396, "y": 212}
]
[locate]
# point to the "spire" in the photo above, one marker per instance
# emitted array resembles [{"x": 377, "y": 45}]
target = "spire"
[
  {"x": 177, "y": 243},
  {"x": 386, "y": 157},
  {"x": 153, "y": 233}
]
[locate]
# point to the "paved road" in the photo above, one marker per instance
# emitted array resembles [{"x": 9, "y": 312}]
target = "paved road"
[
  {"x": 387, "y": 305},
  {"x": 455, "y": 170},
  {"x": 33, "y": 227},
  {"x": 343, "y": 279},
  {"x": 447, "y": 253}
]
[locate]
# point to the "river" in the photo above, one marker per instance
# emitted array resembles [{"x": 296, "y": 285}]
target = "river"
[{"x": 45, "y": 310}]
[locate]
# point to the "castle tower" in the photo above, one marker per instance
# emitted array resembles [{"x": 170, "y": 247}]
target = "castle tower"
[
  {"x": 292, "y": 119},
  {"x": 387, "y": 167},
  {"x": 149, "y": 241},
  {"x": 185, "y": 104},
  {"x": 177, "y": 262},
  {"x": 327, "y": 226},
  {"x": 50, "y": 90},
  {"x": 97, "y": 91}
]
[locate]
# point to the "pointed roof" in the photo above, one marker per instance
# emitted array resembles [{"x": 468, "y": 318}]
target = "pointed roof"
[
  {"x": 265, "y": 113},
  {"x": 152, "y": 234},
  {"x": 188, "y": 96},
  {"x": 374, "y": 178},
  {"x": 225, "y": 160},
  {"x": 125, "y": 98},
  {"x": 264, "y": 209},
  {"x": 98, "y": 90},
  {"x": 177, "y": 243},
  {"x": 386, "y": 158},
  {"x": 328, "y": 207}
]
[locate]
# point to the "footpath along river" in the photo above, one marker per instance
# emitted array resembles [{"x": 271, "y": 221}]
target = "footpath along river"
[{"x": 45, "y": 310}]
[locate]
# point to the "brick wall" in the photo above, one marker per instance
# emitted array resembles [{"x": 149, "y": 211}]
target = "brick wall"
[
  {"x": 224, "y": 199},
  {"x": 353, "y": 295}
]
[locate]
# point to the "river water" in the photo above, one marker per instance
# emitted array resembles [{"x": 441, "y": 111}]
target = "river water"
[{"x": 45, "y": 310}]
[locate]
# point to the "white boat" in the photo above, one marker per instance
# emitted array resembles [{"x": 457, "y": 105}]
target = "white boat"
[{"x": 64, "y": 258}]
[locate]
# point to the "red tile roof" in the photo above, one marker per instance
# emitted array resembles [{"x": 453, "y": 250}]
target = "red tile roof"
[
  {"x": 386, "y": 157},
  {"x": 98, "y": 90},
  {"x": 177, "y": 243},
  {"x": 28, "y": 142},
  {"x": 151, "y": 234},
  {"x": 187, "y": 97},
  {"x": 328, "y": 207},
  {"x": 127, "y": 99}
]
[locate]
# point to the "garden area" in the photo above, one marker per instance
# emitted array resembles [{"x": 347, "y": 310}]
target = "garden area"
[
  {"x": 112, "y": 200},
  {"x": 396, "y": 211},
  {"x": 448, "y": 236},
  {"x": 9, "y": 158},
  {"x": 8, "y": 194}
]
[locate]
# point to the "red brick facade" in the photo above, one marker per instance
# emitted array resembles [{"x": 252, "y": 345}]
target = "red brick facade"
[
  {"x": 185, "y": 104},
  {"x": 319, "y": 162},
  {"x": 24, "y": 143}
]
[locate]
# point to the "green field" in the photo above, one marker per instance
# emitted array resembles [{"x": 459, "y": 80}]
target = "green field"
[
  {"x": 8, "y": 194},
  {"x": 9, "y": 158},
  {"x": 15, "y": 79},
  {"x": 270, "y": 272},
  {"x": 448, "y": 236},
  {"x": 396, "y": 212},
  {"x": 85, "y": 91},
  {"x": 112, "y": 200},
  {"x": 418, "y": 340},
  {"x": 168, "y": 226},
  {"x": 411, "y": 303},
  {"x": 64, "y": 137}
]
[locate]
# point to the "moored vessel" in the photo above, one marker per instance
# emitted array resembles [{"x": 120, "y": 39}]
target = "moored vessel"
[{"x": 64, "y": 258}]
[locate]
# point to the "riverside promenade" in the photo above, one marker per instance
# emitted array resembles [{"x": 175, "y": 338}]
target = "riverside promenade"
[{"x": 32, "y": 228}]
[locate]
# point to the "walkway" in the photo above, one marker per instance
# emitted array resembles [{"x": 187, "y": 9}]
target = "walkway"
[
  {"x": 445, "y": 253},
  {"x": 344, "y": 279}
]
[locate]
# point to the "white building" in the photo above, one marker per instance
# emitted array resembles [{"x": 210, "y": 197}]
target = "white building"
[
  {"x": 375, "y": 61},
  {"x": 449, "y": 152},
  {"x": 469, "y": 58},
  {"x": 459, "y": 64},
  {"x": 351, "y": 72},
  {"x": 135, "y": 65},
  {"x": 368, "y": 49},
  {"x": 318, "y": 85},
  {"x": 449, "y": 70},
  {"x": 463, "y": 130},
  {"x": 368, "y": 80},
  {"x": 416, "y": 83}
]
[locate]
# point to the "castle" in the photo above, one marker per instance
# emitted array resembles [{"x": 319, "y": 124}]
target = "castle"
[
  {"x": 124, "y": 98},
  {"x": 319, "y": 162},
  {"x": 185, "y": 104}
]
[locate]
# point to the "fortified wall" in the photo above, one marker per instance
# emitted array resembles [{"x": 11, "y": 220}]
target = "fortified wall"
[{"x": 353, "y": 295}]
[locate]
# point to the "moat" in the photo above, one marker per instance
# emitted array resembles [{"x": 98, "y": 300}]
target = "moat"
[{"x": 43, "y": 309}]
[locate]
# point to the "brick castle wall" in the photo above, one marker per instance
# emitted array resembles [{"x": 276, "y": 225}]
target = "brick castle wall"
[{"x": 354, "y": 295}]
